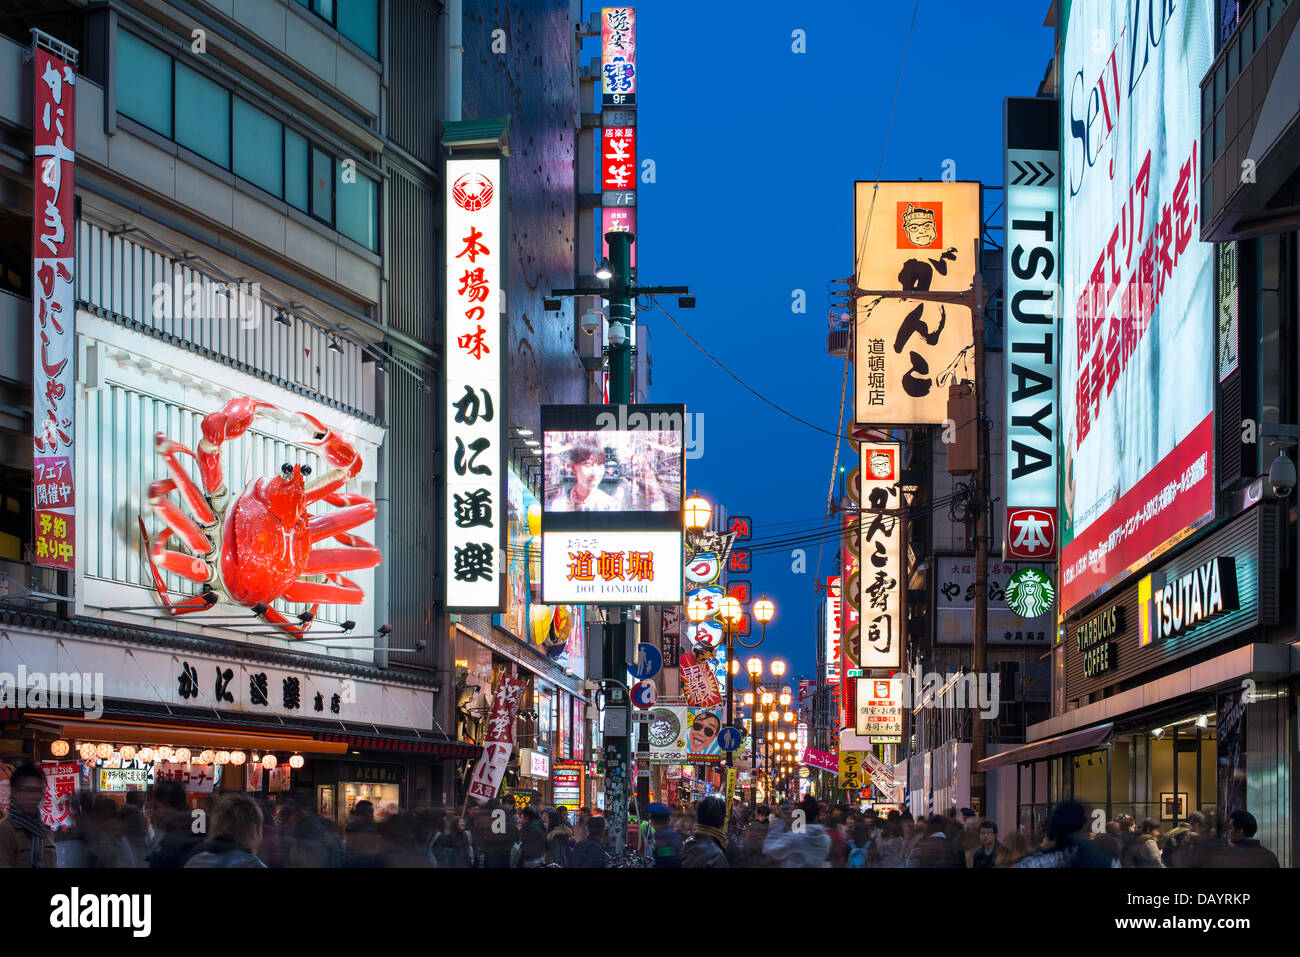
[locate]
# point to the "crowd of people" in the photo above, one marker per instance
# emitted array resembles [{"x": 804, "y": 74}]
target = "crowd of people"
[{"x": 243, "y": 830}]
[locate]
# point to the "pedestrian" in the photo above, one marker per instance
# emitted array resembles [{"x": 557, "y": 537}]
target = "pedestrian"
[
  {"x": 236, "y": 828},
  {"x": 708, "y": 846},
  {"x": 807, "y": 846},
  {"x": 989, "y": 852},
  {"x": 1069, "y": 842},
  {"x": 860, "y": 847},
  {"x": 461, "y": 839},
  {"x": 532, "y": 839},
  {"x": 664, "y": 847},
  {"x": 559, "y": 839},
  {"x": 970, "y": 827},
  {"x": 755, "y": 834},
  {"x": 590, "y": 852},
  {"x": 25, "y": 841},
  {"x": 1018, "y": 847},
  {"x": 890, "y": 849},
  {"x": 362, "y": 840},
  {"x": 936, "y": 848},
  {"x": 496, "y": 833},
  {"x": 1145, "y": 851},
  {"x": 1243, "y": 849},
  {"x": 835, "y": 830},
  {"x": 174, "y": 838}
]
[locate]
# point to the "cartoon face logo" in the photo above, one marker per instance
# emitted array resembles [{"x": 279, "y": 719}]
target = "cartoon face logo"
[
  {"x": 881, "y": 464},
  {"x": 919, "y": 225}
]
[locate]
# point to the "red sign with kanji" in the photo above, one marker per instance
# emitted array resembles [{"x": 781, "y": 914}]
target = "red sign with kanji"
[
  {"x": 498, "y": 739},
  {"x": 53, "y": 312},
  {"x": 742, "y": 526},
  {"x": 738, "y": 560},
  {"x": 618, "y": 157}
]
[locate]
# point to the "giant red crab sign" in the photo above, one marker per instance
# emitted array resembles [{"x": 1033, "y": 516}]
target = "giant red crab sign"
[{"x": 260, "y": 546}]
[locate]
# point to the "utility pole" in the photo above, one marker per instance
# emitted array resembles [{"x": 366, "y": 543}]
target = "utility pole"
[
  {"x": 979, "y": 645},
  {"x": 618, "y": 296}
]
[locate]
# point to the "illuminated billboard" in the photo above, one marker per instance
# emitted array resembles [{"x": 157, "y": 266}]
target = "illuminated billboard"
[
  {"x": 612, "y": 503},
  {"x": 474, "y": 406},
  {"x": 618, "y": 56},
  {"x": 920, "y": 237},
  {"x": 618, "y": 157},
  {"x": 1138, "y": 325},
  {"x": 880, "y": 557}
]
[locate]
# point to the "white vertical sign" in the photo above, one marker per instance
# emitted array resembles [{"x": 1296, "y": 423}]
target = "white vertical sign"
[
  {"x": 475, "y": 505},
  {"x": 880, "y": 557}
]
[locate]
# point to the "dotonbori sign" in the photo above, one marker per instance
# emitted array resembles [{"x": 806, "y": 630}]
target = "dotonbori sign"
[
  {"x": 474, "y": 411},
  {"x": 1170, "y": 608},
  {"x": 1094, "y": 640},
  {"x": 1032, "y": 278}
]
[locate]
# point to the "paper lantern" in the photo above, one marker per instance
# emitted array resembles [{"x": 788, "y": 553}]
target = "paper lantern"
[
  {"x": 165, "y": 753},
  {"x": 104, "y": 751},
  {"x": 59, "y": 748},
  {"x": 182, "y": 755},
  {"x": 146, "y": 755},
  {"x": 221, "y": 757},
  {"x": 238, "y": 757},
  {"x": 207, "y": 756},
  {"x": 128, "y": 752},
  {"x": 296, "y": 761},
  {"x": 87, "y": 751},
  {"x": 268, "y": 761}
]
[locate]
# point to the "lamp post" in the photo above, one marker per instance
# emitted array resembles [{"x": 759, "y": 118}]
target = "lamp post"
[{"x": 731, "y": 612}]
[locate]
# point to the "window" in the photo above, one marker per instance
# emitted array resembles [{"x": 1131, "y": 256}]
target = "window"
[
  {"x": 144, "y": 83},
  {"x": 259, "y": 148},
  {"x": 322, "y": 184},
  {"x": 358, "y": 20},
  {"x": 295, "y": 169},
  {"x": 202, "y": 116},
  {"x": 358, "y": 209}
]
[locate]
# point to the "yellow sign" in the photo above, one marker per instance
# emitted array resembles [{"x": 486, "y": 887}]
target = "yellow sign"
[
  {"x": 852, "y": 775},
  {"x": 913, "y": 237},
  {"x": 731, "y": 793}
]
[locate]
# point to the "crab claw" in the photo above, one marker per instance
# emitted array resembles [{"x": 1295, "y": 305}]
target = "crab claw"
[
  {"x": 336, "y": 449},
  {"x": 230, "y": 423}
]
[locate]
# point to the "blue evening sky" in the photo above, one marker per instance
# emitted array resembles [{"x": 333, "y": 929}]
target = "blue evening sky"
[{"x": 756, "y": 149}]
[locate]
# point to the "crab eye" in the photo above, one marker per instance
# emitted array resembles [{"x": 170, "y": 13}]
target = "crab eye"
[
  {"x": 286, "y": 469},
  {"x": 306, "y": 470}
]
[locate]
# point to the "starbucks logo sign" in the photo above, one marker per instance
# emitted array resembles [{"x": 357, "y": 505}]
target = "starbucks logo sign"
[{"x": 1030, "y": 593}]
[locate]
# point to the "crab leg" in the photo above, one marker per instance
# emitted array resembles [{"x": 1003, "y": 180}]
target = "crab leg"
[
  {"x": 190, "y": 492},
  {"x": 359, "y": 554},
  {"x": 195, "y": 602},
  {"x": 180, "y": 524},
  {"x": 335, "y": 523},
  {"x": 230, "y": 423},
  {"x": 337, "y": 590},
  {"x": 293, "y": 629}
]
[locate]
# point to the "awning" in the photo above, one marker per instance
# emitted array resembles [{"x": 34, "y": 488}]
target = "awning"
[
  {"x": 1071, "y": 743},
  {"x": 406, "y": 744},
  {"x": 140, "y": 732}
]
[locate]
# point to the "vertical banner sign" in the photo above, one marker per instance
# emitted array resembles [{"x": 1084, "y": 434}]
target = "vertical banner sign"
[
  {"x": 834, "y": 606},
  {"x": 618, "y": 56},
  {"x": 1139, "y": 325},
  {"x": 54, "y": 313},
  {"x": 62, "y": 782},
  {"x": 731, "y": 795},
  {"x": 880, "y": 556},
  {"x": 498, "y": 739},
  {"x": 850, "y": 633},
  {"x": 912, "y": 237},
  {"x": 618, "y": 158},
  {"x": 475, "y": 467},
  {"x": 621, "y": 219},
  {"x": 1032, "y": 277}
]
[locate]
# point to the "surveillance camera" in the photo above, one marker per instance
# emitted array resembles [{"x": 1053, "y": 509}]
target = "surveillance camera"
[
  {"x": 1281, "y": 475},
  {"x": 591, "y": 321}
]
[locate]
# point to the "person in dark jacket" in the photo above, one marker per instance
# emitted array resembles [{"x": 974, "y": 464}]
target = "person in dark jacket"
[
  {"x": 665, "y": 844},
  {"x": 496, "y": 832},
  {"x": 591, "y": 851},
  {"x": 25, "y": 841},
  {"x": 708, "y": 846},
  {"x": 559, "y": 839},
  {"x": 532, "y": 839},
  {"x": 236, "y": 828},
  {"x": 176, "y": 841},
  {"x": 1071, "y": 845},
  {"x": 1243, "y": 849}
]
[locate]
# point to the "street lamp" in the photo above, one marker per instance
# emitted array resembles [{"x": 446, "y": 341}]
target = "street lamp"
[{"x": 698, "y": 513}]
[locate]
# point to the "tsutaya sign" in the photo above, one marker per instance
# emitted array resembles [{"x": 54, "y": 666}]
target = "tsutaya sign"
[
  {"x": 1166, "y": 609},
  {"x": 473, "y": 409},
  {"x": 1032, "y": 294}
]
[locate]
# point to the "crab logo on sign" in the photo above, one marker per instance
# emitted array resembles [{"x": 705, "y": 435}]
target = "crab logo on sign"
[
  {"x": 1031, "y": 533},
  {"x": 472, "y": 192}
]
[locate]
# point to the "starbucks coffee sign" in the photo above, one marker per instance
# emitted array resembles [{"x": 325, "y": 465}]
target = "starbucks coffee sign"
[
  {"x": 1170, "y": 608},
  {"x": 1094, "y": 641}
]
